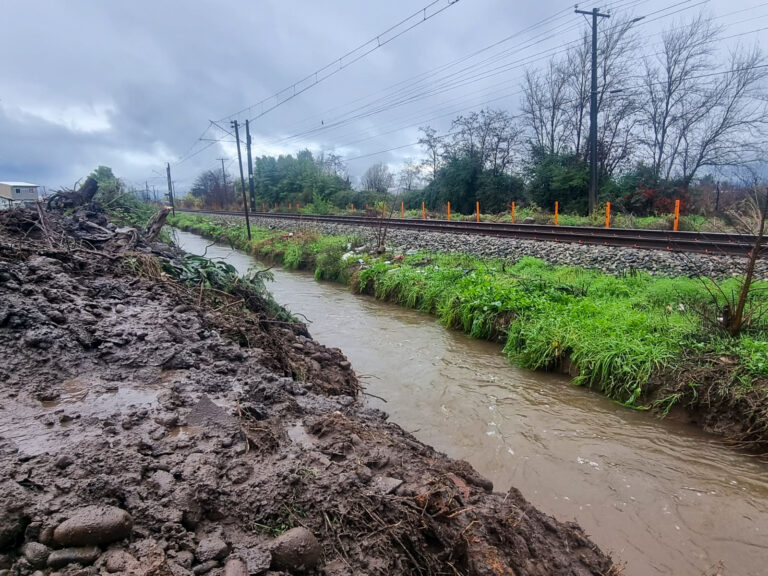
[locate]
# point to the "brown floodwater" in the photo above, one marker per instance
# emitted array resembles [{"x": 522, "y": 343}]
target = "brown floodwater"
[{"x": 659, "y": 495}]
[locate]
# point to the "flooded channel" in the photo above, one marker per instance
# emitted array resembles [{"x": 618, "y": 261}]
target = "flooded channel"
[{"x": 661, "y": 496}]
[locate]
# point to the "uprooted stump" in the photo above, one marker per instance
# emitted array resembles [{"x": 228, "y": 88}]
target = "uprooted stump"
[{"x": 64, "y": 199}]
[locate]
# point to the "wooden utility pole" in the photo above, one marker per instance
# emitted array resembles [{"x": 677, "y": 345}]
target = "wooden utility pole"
[
  {"x": 223, "y": 172},
  {"x": 251, "y": 193},
  {"x": 242, "y": 178},
  {"x": 170, "y": 187},
  {"x": 593, "y": 163}
]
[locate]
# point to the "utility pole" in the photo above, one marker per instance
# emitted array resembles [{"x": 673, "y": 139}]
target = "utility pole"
[
  {"x": 235, "y": 125},
  {"x": 250, "y": 165},
  {"x": 146, "y": 191},
  {"x": 593, "y": 164},
  {"x": 170, "y": 187},
  {"x": 223, "y": 172}
]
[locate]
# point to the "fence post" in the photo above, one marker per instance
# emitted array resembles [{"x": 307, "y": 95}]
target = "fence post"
[
  {"x": 423, "y": 212},
  {"x": 402, "y": 209},
  {"x": 513, "y": 212},
  {"x": 477, "y": 210},
  {"x": 607, "y": 214},
  {"x": 677, "y": 215},
  {"x": 449, "y": 210},
  {"x": 557, "y": 208}
]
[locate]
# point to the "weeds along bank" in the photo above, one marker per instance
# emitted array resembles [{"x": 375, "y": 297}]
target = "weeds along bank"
[{"x": 648, "y": 342}]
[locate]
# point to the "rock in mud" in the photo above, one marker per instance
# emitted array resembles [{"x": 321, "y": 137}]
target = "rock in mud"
[
  {"x": 84, "y": 555},
  {"x": 296, "y": 551},
  {"x": 211, "y": 548},
  {"x": 11, "y": 526},
  {"x": 94, "y": 525},
  {"x": 120, "y": 561},
  {"x": 36, "y": 554},
  {"x": 235, "y": 567}
]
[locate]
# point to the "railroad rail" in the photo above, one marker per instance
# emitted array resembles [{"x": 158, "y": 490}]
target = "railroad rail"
[{"x": 698, "y": 242}]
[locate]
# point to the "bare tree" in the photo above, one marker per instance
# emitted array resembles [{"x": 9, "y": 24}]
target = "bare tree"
[
  {"x": 725, "y": 125},
  {"x": 545, "y": 95},
  {"x": 378, "y": 178},
  {"x": 433, "y": 146},
  {"x": 410, "y": 176},
  {"x": 670, "y": 84}
]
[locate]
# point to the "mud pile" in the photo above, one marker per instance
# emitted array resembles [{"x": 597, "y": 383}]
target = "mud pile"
[{"x": 143, "y": 431}]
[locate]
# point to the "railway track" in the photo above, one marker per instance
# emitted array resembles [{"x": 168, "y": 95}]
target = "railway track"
[{"x": 697, "y": 242}]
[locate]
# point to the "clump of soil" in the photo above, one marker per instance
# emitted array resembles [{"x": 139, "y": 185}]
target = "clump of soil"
[{"x": 143, "y": 431}]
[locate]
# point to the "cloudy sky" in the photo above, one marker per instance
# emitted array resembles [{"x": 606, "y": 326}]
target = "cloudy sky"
[{"x": 134, "y": 84}]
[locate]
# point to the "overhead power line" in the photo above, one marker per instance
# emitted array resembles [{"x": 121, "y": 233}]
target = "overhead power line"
[{"x": 337, "y": 65}]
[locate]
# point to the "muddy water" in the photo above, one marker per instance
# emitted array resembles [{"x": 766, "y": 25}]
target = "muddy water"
[{"x": 661, "y": 496}]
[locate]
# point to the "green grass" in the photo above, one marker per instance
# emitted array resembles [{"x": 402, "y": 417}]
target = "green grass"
[{"x": 618, "y": 331}]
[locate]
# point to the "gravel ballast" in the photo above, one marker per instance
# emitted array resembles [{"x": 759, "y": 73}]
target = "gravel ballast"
[{"x": 611, "y": 259}]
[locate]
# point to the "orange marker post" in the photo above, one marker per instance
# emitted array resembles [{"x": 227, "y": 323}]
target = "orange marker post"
[
  {"x": 423, "y": 212},
  {"x": 352, "y": 208},
  {"x": 477, "y": 210},
  {"x": 275, "y": 206},
  {"x": 557, "y": 207},
  {"x": 383, "y": 209},
  {"x": 402, "y": 209},
  {"x": 290, "y": 206},
  {"x": 298, "y": 206},
  {"x": 448, "y": 210},
  {"x": 607, "y": 214},
  {"x": 677, "y": 215},
  {"x": 263, "y": 208},
  {"x": 513, "y": 212}
]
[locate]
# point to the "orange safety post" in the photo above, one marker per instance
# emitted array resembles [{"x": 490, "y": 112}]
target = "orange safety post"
[
  {"x": 677, "y": 215},
  {"x": 402, "y": 209},
  {"x": 383, "y": 209},
  {"x": 290, "y": 206},
  {"x": 449, "y": 210},
  {"x": 477, "y": 209},
  {"x": 263, "y": 208},
  {"x": 607, "y": 214},
  {"x": 423, "y": 212},
  {"x": 557, "y": 207},
  {"x": 298, "y": 206},
  {"x": 513, "y": 212}
]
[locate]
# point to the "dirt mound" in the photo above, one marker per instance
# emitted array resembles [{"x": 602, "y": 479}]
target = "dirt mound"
[{"x": 201, "y": 435}]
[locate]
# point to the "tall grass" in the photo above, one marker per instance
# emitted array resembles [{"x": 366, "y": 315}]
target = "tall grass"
[{"x": 616, "y": 331}]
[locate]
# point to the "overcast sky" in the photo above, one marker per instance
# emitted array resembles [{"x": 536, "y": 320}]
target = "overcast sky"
[{"x": 132, "y": 84}]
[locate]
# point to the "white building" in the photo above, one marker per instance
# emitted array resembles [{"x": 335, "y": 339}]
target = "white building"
[{"x": 18, "y": 191}]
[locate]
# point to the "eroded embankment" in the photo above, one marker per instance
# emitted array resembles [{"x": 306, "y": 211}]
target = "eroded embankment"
[
  {"x": 151, "y": 428},
  {"x": 646, "y": 342}
]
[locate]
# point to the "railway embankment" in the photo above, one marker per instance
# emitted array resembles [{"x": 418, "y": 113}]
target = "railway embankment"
[
  {"x": 610, "y": 259},
  {"x": 652, "y": 342},
  {"x": 160, "y": 415}
]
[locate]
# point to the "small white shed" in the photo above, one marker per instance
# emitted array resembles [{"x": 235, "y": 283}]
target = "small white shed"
[{"x": 18, "y": 191}]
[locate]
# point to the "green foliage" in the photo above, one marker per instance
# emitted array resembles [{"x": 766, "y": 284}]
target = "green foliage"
[
  {"x": 617, "y": 331},
  {"x": 562, "y": 178}
]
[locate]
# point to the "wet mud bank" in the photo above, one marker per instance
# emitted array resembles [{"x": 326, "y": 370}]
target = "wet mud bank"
[
  {"x": 665, "y": 497},
  {"x": 144, "y": 430}
]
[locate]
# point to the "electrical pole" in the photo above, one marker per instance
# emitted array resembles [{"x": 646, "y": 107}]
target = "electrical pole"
[
  {"x": 250, "y": 165},
  {"x": 242, "y": 178},
  {"x": 170, "y": 187},
  {"x": 223, "y": 172},
  {"x": 593, "y": 164},
  {"x": 146, "y": 191}
]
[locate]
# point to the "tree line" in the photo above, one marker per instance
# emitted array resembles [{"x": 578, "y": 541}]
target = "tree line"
[{"x": 667, "y": 121}]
